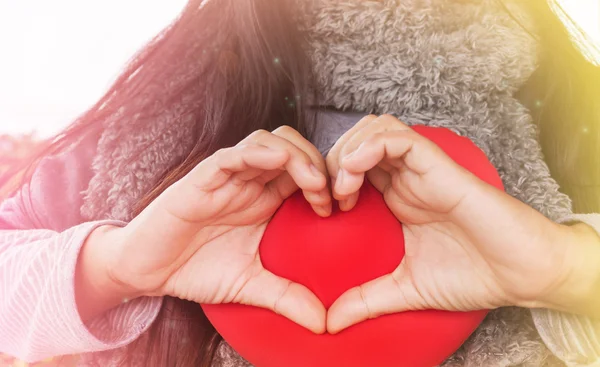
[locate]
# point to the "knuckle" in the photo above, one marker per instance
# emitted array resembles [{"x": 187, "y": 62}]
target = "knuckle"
[
  {"x": 222, "y": 154},
  {"x": 379, "y": 137},
  {"x": 415, "y": 137},
  {"x": 387, "y": 116},
  {"x": 392, "y": 120},
  {"x": 361, "y": 293},
  {"x": 302, "y": 156},
  {"x": 384, "y": 122},
  {"x": 285, "y": 130},
  {"x": 260, "y": 133},
  {"x": 367, "y": 120}
]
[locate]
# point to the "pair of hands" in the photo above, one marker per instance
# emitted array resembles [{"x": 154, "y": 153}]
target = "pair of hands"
[{"x": 468, "y": 245}]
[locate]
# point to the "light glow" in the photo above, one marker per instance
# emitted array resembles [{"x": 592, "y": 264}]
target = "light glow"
[{"x": 60, "y": 56}]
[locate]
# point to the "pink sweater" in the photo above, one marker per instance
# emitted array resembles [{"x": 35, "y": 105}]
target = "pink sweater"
[{"x": 41, "y": 234}]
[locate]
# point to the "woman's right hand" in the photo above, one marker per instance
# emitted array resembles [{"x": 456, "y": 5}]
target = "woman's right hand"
[{"x": 199, "y": 239}]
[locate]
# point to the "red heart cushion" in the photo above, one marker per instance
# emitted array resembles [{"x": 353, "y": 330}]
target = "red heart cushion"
[{"x": 332, "y": 255}]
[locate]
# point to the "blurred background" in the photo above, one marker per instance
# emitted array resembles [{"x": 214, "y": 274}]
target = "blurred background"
[{"x": 59, "y": 56}]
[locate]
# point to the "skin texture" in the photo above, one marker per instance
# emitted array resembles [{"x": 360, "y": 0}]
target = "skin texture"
[
  {"x": 468, "y": 245},
  {"x": 199, "y": 239}
]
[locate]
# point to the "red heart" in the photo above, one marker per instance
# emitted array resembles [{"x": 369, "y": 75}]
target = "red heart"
[{"x": 334, "y": 254}]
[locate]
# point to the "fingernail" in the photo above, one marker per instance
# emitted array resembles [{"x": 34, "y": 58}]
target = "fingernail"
[
  {"x": 323, "y": 210},
  {"x": 328, "y": 209},
  {"x": 349, "y": 203},
  {"x": 325, "y": 194}
]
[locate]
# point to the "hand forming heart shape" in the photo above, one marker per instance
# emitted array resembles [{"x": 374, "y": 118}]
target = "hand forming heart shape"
[{"x": 333, "y": 255}]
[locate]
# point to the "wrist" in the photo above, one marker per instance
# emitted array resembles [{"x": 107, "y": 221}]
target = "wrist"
[
  {"x": 96, "y": 288},
  {"x": 579, "y": 288}
]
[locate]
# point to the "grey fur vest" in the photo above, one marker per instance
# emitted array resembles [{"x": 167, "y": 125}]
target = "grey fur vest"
[{"x": 445, "y": 63}]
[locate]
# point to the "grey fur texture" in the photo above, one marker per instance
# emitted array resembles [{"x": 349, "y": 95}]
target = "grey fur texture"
[{"x": 445, "y": 63}]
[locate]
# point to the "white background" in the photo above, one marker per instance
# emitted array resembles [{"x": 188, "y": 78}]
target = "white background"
[{"x": 58, "y": 56}]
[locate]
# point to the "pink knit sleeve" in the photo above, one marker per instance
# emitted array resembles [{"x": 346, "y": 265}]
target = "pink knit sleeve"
[
  {"x": 41, "y": 235},
  {"x": 38, "y": 314},
  {"x": 574, "y": 339}
]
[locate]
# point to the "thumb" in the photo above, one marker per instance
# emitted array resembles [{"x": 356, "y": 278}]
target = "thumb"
[
  {"x": 388, "y": 294},
  {"x": 291, "y": 300}
]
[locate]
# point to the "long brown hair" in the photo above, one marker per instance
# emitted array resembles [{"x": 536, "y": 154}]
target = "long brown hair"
[
  {"x": 239, "y": 66},
  {"x": 245, "y": 69},
  {"x": 564, "y": 98}
]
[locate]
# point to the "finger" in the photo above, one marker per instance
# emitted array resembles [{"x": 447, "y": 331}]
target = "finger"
[
  {"x": 354, "y": 180},
  {"x": 214, "y": 171},
  {"x": 346, "y": 202},
  {"x": 389, "y": 294},
  {"x": 320, "y": 200},
  {"x": 405, "y": 213},
  {"x": 261, "y": 175},
  {"x": 397, "y": 147},
  {"x": 306, "y": 175},
  {"x": 284, "y": 297},
  {"x": 332, "y": 159},
  {"x": 268, "y": 176},
  {"x": 284, "y": 186},
  {"x": 379, "y": 178},
  {"x": 382, "y": 123},
  {"x": 303, "y": 144}
]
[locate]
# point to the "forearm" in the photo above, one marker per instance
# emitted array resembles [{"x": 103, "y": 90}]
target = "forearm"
[
  {"x": 574, "y": 334},
  {"x": 562, "y": 260},
  {"x": 39, "y": 316},
  {"x": 96, "y": 291},
  {"x": 579, "y": 292}
]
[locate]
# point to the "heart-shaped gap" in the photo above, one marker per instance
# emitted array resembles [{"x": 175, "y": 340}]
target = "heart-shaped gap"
[{"x": 332, "y": 255}]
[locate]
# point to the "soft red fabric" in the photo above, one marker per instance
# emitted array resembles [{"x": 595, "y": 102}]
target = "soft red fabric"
[{"x": 332, "y": 255}]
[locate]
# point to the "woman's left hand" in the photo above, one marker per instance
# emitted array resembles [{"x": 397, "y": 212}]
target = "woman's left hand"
[{"x": 468, "y": 245}]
